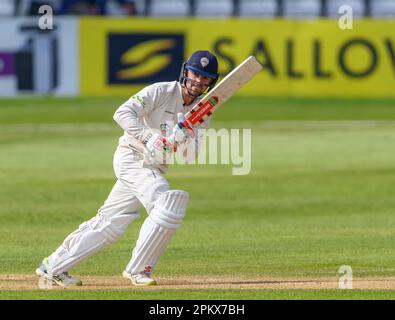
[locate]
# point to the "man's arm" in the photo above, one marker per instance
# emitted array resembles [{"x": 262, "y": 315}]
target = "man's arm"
[{"x": 128, "y": 115}]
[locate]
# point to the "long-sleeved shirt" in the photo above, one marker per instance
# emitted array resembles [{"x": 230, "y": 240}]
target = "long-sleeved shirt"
[{"x": 152, "y": 110}]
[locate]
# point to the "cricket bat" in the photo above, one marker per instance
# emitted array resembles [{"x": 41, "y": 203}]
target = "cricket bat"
[{"x": 226, "y": 88}]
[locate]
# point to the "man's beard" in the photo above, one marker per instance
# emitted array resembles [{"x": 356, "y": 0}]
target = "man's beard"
[{"x": 192, "y": 93}]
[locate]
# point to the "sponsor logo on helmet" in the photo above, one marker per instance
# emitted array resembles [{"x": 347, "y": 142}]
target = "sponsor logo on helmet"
[{"x": 204, "y": 61}]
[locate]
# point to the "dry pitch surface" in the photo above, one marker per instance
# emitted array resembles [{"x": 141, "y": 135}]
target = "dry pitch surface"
[{"x": 31, "y": 282}]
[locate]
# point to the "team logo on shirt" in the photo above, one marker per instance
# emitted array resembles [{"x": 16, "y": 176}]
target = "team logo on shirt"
[
  {"x": 139, "y": 100},
  {"x": 144, "y": 58},
  {"x": 165, "y": 129}
]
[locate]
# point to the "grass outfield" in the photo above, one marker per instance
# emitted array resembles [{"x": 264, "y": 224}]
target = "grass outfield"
[
  {"x": 319, "y": 195},
  {"x": 80, "y": 110}
]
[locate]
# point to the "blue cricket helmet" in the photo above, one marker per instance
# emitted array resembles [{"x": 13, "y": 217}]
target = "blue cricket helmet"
[{"x": 202, "y": 62}]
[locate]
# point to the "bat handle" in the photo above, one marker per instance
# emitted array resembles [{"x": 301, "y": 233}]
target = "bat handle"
[{"x": 185, "y": 124}]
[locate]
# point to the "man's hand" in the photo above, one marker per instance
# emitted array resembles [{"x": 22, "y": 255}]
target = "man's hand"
[
  {"x": 182, "y": 132},
  {"x": 158, "y": 147}
]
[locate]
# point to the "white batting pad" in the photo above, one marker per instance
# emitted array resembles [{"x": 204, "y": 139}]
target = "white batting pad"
[
  {"x": 157, "y": 230},
  {"x": 90, "y": 237}
]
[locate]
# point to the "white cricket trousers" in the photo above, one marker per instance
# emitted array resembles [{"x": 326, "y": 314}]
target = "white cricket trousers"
[{"x": 135, "y": 187}]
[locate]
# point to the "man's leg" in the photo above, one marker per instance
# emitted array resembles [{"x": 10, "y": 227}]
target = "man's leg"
[
  {"x": 155, "y": 234},
  {"x": 166, "y": 209},
  {"x": 112, "y": 220}
]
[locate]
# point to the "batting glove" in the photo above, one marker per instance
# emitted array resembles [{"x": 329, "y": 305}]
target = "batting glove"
[
  {"x": 158, "y": 148},
  {"x": 182, "y": 132}
]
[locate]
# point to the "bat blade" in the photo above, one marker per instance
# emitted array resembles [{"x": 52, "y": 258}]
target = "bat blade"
[{"x": 226, "y": 88}]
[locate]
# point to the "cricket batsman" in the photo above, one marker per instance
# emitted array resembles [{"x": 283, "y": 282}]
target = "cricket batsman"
[{"x": 139, "y": 167}]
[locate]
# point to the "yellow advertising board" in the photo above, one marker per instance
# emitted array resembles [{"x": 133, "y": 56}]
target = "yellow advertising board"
[{"x": 300, "y": 57}]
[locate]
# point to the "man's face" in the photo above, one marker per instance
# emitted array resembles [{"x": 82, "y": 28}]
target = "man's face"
[{"x": 196, "y": 84}]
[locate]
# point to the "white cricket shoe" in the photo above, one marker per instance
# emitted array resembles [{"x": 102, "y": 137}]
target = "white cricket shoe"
[
  {"x": 63, "y": 279},
  {"x": 139, "y": 279}
]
